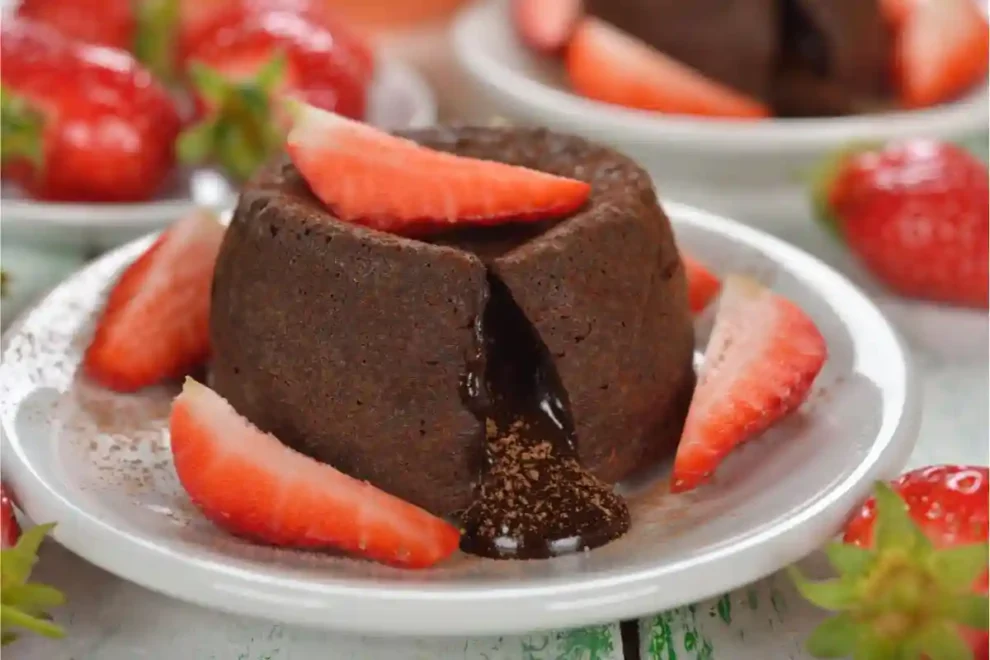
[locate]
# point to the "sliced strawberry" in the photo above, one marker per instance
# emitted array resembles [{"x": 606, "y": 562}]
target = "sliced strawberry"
[
  {"x": 9, "y": 530},
  {"x": 896, "y": 11},
  {"x": 546, "y": 25},
  {"x": 942, "y": 50},
  {"x": 763, "y": 355},
  {"x": 291, "y": 500},
  {"x": 609, "y": 65},
  {"x": 703, "y": 285},
  {"x": 392, "y": 184},
  {"x": 156, "y": 321}
]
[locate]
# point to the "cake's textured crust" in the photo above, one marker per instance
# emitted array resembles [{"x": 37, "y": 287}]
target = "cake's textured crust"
[
  {"x": 348, "y": 344},
  {"x": 352, "y": 345}
]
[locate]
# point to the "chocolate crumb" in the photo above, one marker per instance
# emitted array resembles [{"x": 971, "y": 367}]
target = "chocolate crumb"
[{"x": 535, "y": 500}]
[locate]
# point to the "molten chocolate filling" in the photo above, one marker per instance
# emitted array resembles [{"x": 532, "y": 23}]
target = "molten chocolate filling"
[{"x": 534, "y": 499}]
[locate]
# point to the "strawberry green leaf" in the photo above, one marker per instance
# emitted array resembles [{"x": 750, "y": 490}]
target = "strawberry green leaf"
[
  {"x": 836, "y": 638},
  {"x": 959, "y": 567},
  {"x": 33, "y": 598},
  {"x": 18, "y": 561},
  {"x": 23, "y": 605},
  {"x": 849, "y": 560},
  {"x": 11, "y": 616},
  {"x": 239, "y": 131},
  {"x": 875, "y": 647},
  {"x": 155, "y": 36},
  {"x": 21, "y": 130},
  {"x": 820, "y": 181},
  {"x": 943, "y": 642},
  {"x": 271, "y": 75},
  {"x": 970, "y": 610},
  {"x": 196, "y": 142},
  {"x": 894, "y": 528},
  {"x": 211, "y": 86},
  {"x": 237, "y": 153},
  {"x": 829, "y": 594}
]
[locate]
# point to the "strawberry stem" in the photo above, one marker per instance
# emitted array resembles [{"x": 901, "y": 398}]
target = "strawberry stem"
[
  {"x": 820, "y": 181},
  {"x": 239, "y": 131},
  {"x": 902, "y": 599},
  {"x": 21, "y": 130},
  {"x": 156, "y": 36}
]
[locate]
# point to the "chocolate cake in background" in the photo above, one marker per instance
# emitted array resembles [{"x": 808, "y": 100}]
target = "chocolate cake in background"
[
  {"x": 803, "y": 57},
  {"x": 368, "y": 351}
]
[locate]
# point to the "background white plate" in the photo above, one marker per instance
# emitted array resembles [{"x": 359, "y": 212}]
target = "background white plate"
[
  {"x": 752, "y": 171},
  {"x": 399, "y": 98},
  {"x": 99, "y": 465}
]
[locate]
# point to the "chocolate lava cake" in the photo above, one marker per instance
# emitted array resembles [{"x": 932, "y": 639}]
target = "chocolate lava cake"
[
  {"x": 390, "y": 357},
  {"x": 802, "y": 57}
]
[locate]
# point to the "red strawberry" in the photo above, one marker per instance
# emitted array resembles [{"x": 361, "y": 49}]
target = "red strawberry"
[
  {"x": 9, "y": 530},
  {"x": 913, "y": 566},
  {"x": 703, "y": 285},
  {"x": 156, "y": 321},
  {"x": 941, "y": 50},
  {"x": 391, "y": 184},
  {"x": 81, "y": 122},
  {"x": 101, "y": 22},
  {"x": 167, "y": 28},
  {"x": 763, "y": 355},
  {"x": 241, "y": 69},
  {"x": 197, "y": 16},
  {"x": 546, "y": 25},
  {"x": 915, "y": 214},
  {"x": 24, "y": 603},
  {"x": 292, "y": 500},
  {"x": 896, "y": 11},
  {"x": 609, "y": 65}
]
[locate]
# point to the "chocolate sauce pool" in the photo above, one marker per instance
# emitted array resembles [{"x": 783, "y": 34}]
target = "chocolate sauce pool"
[{"x": 534, "y": 500}]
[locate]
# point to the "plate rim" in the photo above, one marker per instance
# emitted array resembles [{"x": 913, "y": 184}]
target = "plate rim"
[
  {"x": 779, "y": 135},
  {"x": 423, "y": 609}
]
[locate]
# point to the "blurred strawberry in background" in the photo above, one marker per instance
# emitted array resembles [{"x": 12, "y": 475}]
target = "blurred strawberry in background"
[
  {"x": 383, "y": 14},
  {"x": 916, "y": 215},
  {"x": 102, "y": 22},
  {"x": 157, "y": 31},
  {"x": 242, "y": 63},
  {"x": 81, "y": 122}
]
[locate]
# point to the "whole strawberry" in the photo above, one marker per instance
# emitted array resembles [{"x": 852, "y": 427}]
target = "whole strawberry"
[
  {"x": 915, "y": 214},
  {"x": 244, "y": 65},
  {"x": 81, "y": 122},
  {"x": 913, "y": 572},
  {"x": 190, "y": 18}
]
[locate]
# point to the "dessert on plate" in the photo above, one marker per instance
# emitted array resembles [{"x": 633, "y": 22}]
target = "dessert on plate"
[
  {"x": 411, "y": 329},
  {"x": 454, "y": 337},
  {"x": 766, "y": 57}
]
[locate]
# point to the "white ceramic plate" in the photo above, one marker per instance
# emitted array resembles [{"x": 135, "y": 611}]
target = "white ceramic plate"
[
  {"x": 399, "y": 98},
  {"x": 754, "y": 171},
  {"x": 98, "y": 464}
]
